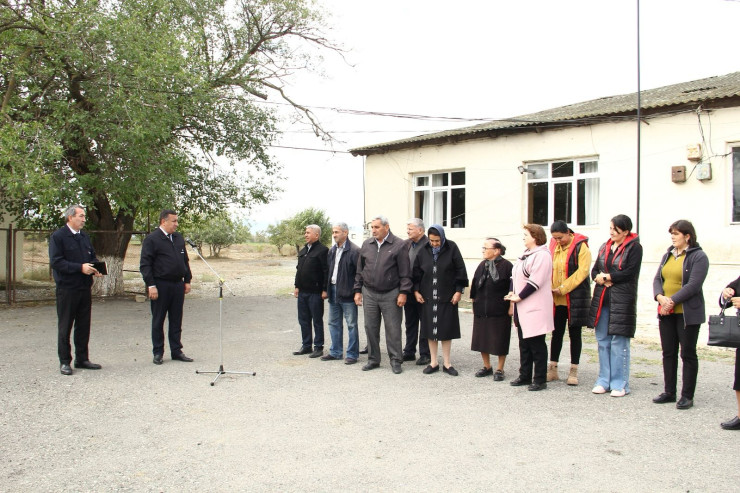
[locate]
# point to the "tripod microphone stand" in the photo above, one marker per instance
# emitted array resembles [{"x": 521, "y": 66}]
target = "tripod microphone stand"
[{"x": 221, "y": 284}]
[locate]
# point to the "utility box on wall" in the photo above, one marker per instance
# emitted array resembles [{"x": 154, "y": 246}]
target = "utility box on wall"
[{"x": 678, "y": 174}]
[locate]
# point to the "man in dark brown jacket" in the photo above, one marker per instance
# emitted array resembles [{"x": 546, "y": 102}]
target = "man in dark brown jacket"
[{"x": 382, "y": 283}]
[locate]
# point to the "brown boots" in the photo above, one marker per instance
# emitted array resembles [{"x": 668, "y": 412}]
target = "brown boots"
[
  {"x": 552, "y": 373},
  {"x": 573, "y": 375}
]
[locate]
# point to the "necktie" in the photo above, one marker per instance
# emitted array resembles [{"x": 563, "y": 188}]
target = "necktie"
[{"x": 170, "y": 237}]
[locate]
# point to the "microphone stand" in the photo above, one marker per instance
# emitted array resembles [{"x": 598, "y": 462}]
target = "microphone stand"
[{"x": 221, "y": 284}]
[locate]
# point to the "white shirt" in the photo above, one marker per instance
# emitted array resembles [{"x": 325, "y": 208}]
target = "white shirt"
[{"x": 340, "y": 250}]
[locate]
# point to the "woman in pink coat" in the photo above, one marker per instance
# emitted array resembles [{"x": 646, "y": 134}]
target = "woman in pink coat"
[{"x": 531, "y": 300}]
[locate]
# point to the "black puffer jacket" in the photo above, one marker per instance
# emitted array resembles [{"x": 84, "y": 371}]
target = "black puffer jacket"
[{"x": 623, "y": 265}]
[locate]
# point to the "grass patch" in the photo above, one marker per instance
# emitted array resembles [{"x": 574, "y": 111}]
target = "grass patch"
[
  {"x": 643, "y": 374},
  {"x": 646, "y": 361}
]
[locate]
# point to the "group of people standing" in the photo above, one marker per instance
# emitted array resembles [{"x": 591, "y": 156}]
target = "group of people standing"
[
  {"x": 424, "y": 276},
  {"x": 545, "y": 291}
]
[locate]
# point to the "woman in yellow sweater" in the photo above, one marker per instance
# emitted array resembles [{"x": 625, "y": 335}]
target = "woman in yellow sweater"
[{"x": 677, "y": 288}]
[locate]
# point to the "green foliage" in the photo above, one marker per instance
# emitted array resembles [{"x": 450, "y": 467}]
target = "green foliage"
[
  {"x": 218, "y": 231},
  {"x": 290, "y": 231},
  {"x": 131, "y": 106}
]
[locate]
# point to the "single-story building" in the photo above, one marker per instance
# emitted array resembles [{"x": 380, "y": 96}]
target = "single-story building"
[{"x": 578, "y": 163}]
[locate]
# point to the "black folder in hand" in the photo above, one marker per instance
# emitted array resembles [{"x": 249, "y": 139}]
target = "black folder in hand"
[{"x": 101, "y": 267}]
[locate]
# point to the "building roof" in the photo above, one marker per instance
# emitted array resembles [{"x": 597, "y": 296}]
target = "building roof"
[{"x": 709, "y": 91}]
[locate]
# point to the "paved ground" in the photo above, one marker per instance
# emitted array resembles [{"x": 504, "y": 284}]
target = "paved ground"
[{"x": 307, "y": 425}]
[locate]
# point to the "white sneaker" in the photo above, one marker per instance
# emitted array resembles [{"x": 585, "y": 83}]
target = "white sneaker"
[
  {"x": 599, "y": 390},
  {"x": 619, "y": 393}
]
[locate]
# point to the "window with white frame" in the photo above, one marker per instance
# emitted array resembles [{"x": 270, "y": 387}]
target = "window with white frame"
[
  {"x": 565, "y": 190},
  {"x": 736, "y": 184},
  {"x": 439, "y": 198}
]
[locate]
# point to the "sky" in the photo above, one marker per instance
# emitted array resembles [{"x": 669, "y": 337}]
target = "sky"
[{"x": 471, "y": 59}]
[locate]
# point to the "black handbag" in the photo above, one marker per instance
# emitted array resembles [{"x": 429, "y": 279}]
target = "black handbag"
[{"x": 724, "y": 330}]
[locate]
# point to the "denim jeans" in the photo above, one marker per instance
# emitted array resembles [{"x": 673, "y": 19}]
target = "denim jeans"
[
  {"x": 311, "y": 309},
  {"x": 614, "y": 356},
  {"x": 337, "y": 309}
]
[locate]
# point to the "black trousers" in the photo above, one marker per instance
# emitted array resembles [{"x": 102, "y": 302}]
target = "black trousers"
[
  {"x": 73, "y": 307},
  {"x": 532, "y": 351},
  {"x": 574, "y": 332},
  {"x": 672, "y": 334},
  {"x": 412, "y": 316},
  {"x": 168, "y": 305}
]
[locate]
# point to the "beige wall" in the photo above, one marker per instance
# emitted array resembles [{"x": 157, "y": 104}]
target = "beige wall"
[{"x": 496, "y": 192}]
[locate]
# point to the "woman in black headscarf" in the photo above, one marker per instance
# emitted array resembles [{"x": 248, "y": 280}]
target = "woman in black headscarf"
[
  {"x": 439, "y": 279},
  {"x": 491, "y": 319}
]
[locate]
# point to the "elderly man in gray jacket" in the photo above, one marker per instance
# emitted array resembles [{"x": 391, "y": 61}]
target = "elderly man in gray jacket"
[{"x": 382, "y": 283}]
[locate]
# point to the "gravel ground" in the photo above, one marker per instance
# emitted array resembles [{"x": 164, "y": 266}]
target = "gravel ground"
[{"x": 302, "y": 424}]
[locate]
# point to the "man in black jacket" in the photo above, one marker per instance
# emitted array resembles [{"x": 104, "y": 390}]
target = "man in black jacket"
[
  {"x": 311, "y": 277},
  {"x": 412, "y": 310},
  {"x": 71, "y": 256},
  {"x": 342, "y": 270},
  {"x": 166, "y": 270}
]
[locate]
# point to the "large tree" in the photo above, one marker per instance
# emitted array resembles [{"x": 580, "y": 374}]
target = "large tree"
[{"x": 130, "y": 106}]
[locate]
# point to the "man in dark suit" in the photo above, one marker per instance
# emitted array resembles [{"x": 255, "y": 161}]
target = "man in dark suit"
[
  {"x": 311, "y": 278},
  {"x": 166, "y": 270},
  {"x": 71, "y": 256},
  {"x": 412, "y": 310}
]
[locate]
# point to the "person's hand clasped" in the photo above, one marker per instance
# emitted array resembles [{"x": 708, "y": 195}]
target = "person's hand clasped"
[{"x": 513, "y": 297}]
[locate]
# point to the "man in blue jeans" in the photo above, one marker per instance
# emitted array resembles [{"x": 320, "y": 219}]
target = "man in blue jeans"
[
  {"x": 311, "y": 279},
  {"x": 342, "y": 270}
]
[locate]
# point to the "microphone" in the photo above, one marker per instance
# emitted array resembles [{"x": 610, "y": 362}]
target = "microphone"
[{"x": 191, "y": 243}]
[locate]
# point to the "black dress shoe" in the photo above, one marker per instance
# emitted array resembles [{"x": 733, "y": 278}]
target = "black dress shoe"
[
  {"x": 396, "y": 367},
  {"x": 733, "y": 424},
  {"x": 430, "y": 369},
  {"x": 157, "y": 359},
  {"x": 684, "y": 403},
  {"x": 370, "y": 366},
  {"x": 87, "y": 365},
  {"x": 182, "y": 357},
  {"x": 303, "y": 350},
  {"x": 537, "y": 386},
  {"x": 364, "y": 350},
  {"x": 450, "y": 371},
  {"x": 423, "y": 360},
  {"x": 484, "y": 372},
  {"x": 316, "y": 353},
  {"x": 519, "y": 381},
  {"x": 498, "y": 376},
  {"x": 409, "y": 357},
  {"x": 329, "y": 357},
  {"x": 665, "y": 397},
  {"x": 65, "y": 369}
]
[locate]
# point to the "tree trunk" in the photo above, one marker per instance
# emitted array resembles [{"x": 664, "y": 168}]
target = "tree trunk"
[
  {"x": 110, "y": 240},
  {"x": 112, "y": 284}
]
